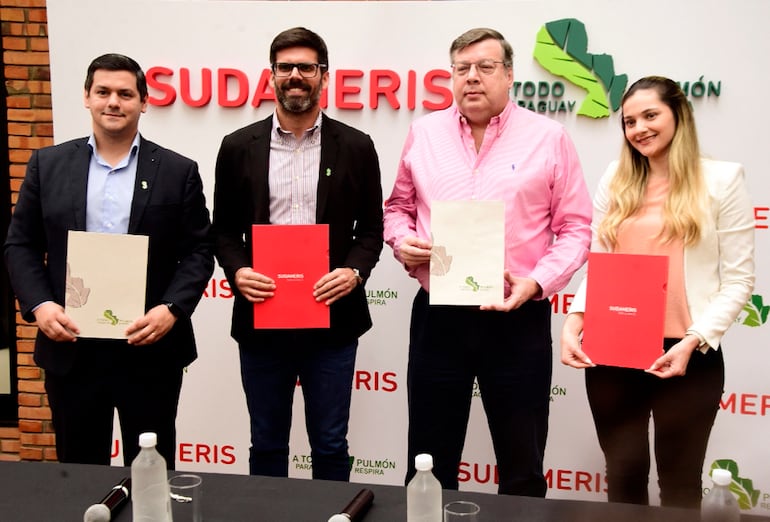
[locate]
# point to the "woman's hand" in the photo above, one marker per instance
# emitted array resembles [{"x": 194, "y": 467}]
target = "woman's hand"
[
  {"x": 571, "y": 350},
  {"x": 674, "y": 362}
]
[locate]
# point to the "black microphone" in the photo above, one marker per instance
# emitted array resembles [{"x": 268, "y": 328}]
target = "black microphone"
[
  {"x": 356, "y": 508},
  {"x": 110, "y": 504}
]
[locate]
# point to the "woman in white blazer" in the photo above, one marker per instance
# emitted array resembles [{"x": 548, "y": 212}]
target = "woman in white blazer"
[{"x": 662, "y": 198}]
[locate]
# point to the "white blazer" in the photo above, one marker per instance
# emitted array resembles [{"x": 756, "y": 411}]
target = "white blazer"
[{"x": 719, "y": 268}]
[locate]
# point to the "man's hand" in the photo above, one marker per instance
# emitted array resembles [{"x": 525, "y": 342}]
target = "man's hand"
[
  {"x": 54, "y": 323},
  {"x": 151, "y": 327},
  {"x": 254, "y": 286},
  {"x": 522, "y": 290},
  {"x": 335, "y": 285},
  {"x": 414, "y": 251}
]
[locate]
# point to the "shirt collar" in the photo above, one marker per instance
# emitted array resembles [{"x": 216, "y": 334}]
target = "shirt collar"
[
  {"x": 498, "y": 123},
  {"x": 279, "y": 132},
  {"x": 132, "y": 152}
]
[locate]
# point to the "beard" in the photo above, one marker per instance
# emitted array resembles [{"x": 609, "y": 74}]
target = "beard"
[{"x": 298, "y": 104}]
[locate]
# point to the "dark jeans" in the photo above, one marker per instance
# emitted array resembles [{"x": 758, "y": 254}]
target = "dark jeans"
[
  {"x": 269, "y": 375},
  {"x": 510, "y": 356},
  {"x": 110, "y": 375},
  {"x": 683, "y": 411}
]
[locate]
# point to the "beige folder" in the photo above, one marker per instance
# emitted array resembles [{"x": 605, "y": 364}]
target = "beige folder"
[
  {"x": 106, "y": 281},
  {"x": 468, "y": 255}
]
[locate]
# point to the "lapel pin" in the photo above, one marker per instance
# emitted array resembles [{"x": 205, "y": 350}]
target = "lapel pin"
[
  {"x": 328, "y": 172},
  {"x": 144, "y": 185}
]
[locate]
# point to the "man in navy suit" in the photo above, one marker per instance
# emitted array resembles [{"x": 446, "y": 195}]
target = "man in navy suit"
[
  {"x": 299, "y": 166},
  {"x": 113, "y": 181}
]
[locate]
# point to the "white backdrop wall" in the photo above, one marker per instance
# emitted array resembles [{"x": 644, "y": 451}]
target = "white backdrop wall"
[{"x": 182, "y": 43}]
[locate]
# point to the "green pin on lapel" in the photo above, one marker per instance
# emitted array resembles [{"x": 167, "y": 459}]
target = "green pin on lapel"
[
  {"x": 328, "y": 172},
  {"x": 144, "y": 185}
]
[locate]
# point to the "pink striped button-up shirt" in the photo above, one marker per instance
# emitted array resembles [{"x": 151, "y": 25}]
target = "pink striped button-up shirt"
[{"x": 526, "y": 160}]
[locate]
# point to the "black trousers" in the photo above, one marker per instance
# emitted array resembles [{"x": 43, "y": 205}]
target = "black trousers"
[
  {"x": 109, "y": 375},
  {"x": 510, "y": 356},
  {"x": 683, "y": 411}
]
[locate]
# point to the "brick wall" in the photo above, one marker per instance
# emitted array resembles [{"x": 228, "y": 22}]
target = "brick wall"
[{"x": 30, "y": 126}]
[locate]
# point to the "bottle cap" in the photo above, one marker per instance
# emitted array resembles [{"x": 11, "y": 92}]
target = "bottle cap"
[
  {"x": 148, "y": 440},
  {"x": 721, "y": 477},
  {"x": 423, "y": 462},
  {"x": 97, "y": 513}
]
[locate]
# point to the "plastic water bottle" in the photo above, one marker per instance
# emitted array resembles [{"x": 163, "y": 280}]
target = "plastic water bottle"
[
  {"x": 423, "y": 493},
  {"x": 150, "y": 493},
  {"x": 720, "y": 505}
]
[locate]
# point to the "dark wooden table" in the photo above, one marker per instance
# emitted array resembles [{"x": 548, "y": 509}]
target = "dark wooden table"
[{"x": 50, "y": 492}]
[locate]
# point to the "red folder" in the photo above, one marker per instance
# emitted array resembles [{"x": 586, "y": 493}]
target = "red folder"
[
  {"x": 295, "y": 257},
  {"x": 625, "y": 309}
]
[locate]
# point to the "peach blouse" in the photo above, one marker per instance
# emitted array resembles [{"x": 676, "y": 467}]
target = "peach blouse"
[{"x": 640, "y": 234}]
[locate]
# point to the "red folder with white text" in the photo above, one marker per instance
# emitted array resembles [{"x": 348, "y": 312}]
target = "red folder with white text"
[
  {"x": 295, "y": 257},
  {"x": 625, "y": 309}
]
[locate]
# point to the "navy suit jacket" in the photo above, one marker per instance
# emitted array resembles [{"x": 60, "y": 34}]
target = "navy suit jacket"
[
  {"x": 168, "y": 205},
  {"x": 349, "y": 200}
]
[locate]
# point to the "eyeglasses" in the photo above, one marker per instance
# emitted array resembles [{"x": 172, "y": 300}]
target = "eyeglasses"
[
  {"x": 485, "y": 67},
  {"x": 306, "y": 70}
]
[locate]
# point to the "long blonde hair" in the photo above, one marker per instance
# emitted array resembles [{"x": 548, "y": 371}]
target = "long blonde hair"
[{"x": 684, "y": 205}]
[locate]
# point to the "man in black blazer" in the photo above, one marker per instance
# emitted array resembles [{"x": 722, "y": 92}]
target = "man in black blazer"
[
  {"x": 298, "y": 167},
  {"x": 114, "y": 181}
]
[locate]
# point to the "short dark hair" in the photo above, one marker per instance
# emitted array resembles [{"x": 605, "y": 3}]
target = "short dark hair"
[
  {"x": 480, "y": 34},
  {"x": 300, "y": 37},
  {"x": 117, "y": 62}
]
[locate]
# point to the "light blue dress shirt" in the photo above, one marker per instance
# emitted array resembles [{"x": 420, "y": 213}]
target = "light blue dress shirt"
[{"x": 110, "y": 191}]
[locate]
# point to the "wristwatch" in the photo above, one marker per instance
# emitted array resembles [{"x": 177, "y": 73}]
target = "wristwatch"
[{"x": 357, "y": 274}]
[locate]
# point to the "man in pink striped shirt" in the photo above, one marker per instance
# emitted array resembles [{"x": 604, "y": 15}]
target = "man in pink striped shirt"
[{"x": 486, "y": 148}]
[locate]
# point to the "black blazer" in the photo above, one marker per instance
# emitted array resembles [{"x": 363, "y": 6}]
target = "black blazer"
[
  {"x": 349, "y": 201},
  {"x": 168, "y": 206}
]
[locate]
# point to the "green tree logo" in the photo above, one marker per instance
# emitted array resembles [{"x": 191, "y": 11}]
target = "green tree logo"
[
  {"x": 562, "y": 50},
  {"x": 743, "y": 488},
  {"x": 111, "y": 317},
  {"x": 754, "y": 312}
]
